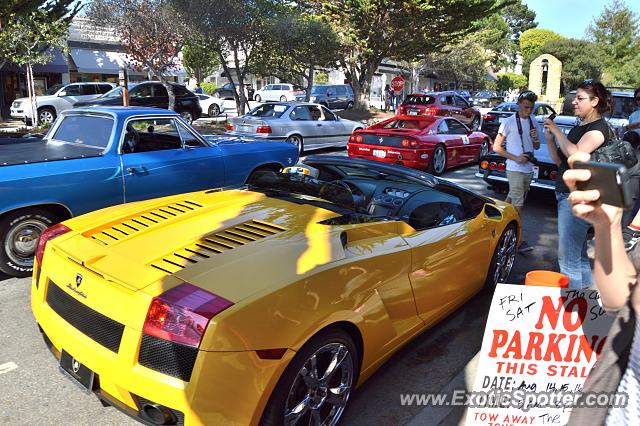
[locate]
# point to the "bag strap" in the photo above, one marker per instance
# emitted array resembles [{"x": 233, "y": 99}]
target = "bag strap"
[{"x": 520, "y": 131}]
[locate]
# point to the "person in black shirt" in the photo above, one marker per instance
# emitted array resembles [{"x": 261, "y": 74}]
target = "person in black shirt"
[{"x": 592, "y": 101}]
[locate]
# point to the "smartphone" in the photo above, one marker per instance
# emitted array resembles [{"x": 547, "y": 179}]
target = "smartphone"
[
  {"x": 552, "y": 116},
  {"x": 612, "y": 180}
]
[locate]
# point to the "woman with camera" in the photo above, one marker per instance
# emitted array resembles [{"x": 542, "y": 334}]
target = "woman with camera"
[
  {"x": 592, "y": 101},
  {"x": 615, "y": 277}
]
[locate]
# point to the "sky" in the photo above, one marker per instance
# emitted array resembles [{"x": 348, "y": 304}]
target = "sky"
[{"x": 570, "y": 18}]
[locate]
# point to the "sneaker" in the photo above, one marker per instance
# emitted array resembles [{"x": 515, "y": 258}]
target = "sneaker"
[
  {"x": 631, "y": 238},
  {"x": 524, "y": 247}
]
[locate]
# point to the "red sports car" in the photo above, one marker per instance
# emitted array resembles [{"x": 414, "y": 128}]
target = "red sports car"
[{"x": 425, "y": 143}]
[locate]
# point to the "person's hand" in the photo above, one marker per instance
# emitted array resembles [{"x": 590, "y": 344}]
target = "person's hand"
[
  {"x": 522, "y": 159},
  {"x": 551, "y": 126},
  {"x": 534, "y": 134},
  {"x": 585, "y": 204}
]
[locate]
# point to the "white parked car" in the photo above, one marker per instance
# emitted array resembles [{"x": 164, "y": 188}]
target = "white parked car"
[
  {"x": 282, "y": 92},
  {"x": 211, "y": 106},
  {"x": 56, "y": 99}
]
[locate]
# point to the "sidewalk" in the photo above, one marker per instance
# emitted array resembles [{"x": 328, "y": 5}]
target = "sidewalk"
[
  {"x": 449, "y": 415},
  {"x": 13, "y": 126}
]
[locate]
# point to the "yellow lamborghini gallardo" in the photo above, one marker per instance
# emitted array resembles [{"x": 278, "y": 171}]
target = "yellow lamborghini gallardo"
[{"x": 266, "y": 304}]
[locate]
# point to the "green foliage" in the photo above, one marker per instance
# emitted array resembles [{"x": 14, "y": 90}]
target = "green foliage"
[
  {"x": 580, "y": 59},
  {"x": 494, "y": 35},
  {"x": 509, "y": 80},
  {"x": 617, "y": 35},
  {"x": 55, "y": 10},
  {"x": 532, "y": 40},
  {"x": 464, "y": 61},
  {"x": 321, "y": 78},
  {"x": 519, "y": 18},
  {"x": 208, "y": 87},
  {"x": 199, "y": 57}
]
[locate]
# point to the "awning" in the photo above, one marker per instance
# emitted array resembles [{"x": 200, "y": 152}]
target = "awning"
[
  {"x": 58, "y": 65},
  {"x": 97, "y": 61}
]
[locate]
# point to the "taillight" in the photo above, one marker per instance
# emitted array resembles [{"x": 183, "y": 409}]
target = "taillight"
[
  {"x": 413, "y": 143},
  {"x": 553, "y": 175},
  {"x": 359, "y": 138},
  {"x": 488, "y": 117},
  {"x": 229, "y": 126},
  {"x": 263, "y": 129},
  {"x": 271, "y": 353},
  {"x": 49, "y": 234},
  {"x": 182, "y": 314},
  {"x": 493, "y": 166},
  {"x": 502, "y": 167},
  {"x": 484, "y": 164},
  {"x": 431, "y": 111},
  {"x": 409, "y": 142}
]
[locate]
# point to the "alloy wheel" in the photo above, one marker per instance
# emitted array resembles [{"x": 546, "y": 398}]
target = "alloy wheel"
[
  {"x": 297, "y": 141},
  {"x": 46, "y": 116},
  {"x": 439, "y": 160},
  {"x": 321, "y": 388},
  {"x": 214, "y": 110},
  {"x": 187, "y": 116},
  {"x": 22, "y": 239},
  {"x": 505, "y": 255}
]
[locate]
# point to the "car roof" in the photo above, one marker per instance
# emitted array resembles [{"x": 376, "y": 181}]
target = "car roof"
[{"x": 122, "y": 111}]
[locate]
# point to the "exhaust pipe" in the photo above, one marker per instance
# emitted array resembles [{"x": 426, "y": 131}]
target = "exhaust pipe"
[{"x": 158, "y": 414}]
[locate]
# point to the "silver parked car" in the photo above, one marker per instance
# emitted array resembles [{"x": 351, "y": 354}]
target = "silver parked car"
[{"x": 307, "y": 125}]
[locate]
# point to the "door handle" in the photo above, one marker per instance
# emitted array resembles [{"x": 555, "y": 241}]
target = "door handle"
[{"x": 131, "y": 170}]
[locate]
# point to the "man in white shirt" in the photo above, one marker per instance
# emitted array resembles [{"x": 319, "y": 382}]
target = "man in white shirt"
[{"x": 516, "y": 141}]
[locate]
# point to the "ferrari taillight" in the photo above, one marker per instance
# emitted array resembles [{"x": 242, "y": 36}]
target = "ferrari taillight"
[
  {"x": 359, "y": 138},
  {"x": 49, "y": 234},
  {"x": 409, "y": 142},
  {"x": 182, "y": 314}
]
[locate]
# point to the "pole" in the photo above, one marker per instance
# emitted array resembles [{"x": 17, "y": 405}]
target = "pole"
[{"x": 123, "y": 79}]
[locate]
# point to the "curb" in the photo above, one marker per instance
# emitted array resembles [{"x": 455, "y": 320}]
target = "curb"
[{"x": 449, "y": 415}]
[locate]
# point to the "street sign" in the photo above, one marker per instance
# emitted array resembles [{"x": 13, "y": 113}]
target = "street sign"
[{"x": 397, "y": 83}]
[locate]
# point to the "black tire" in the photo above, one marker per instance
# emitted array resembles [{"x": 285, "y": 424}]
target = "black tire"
[
  {"x": 273, "y": 168},
  {"x": 503, "y": 257},
  {"x": 46, "y": 115},
  {"x": 257, "y": 98},
  {"x": 19, "y": 234},
  {"x": 187, "y": 116},
  {"x": 214, "y": 110},
  {"x": 350, "y": 105},
  {"x": 438, "y": 163},
  {"x": 297, "y": 141},
  {"x": 292, "y": 387},
  {"x": 283, "y": 98}
]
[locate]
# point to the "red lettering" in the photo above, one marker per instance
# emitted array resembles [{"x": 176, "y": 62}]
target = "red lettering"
[
  {"x": 535, "y": 340},
  {"x": 499, "y": 339},
  {"x": 550, "y": 311},
  {"x": 553, "y": 347},
  {"x": 583, "y": 306}
]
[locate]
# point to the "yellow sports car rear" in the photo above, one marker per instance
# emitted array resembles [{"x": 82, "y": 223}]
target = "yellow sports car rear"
[{"x": 266, "y": 304}]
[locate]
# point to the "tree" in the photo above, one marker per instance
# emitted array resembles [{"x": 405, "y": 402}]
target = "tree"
[
  {"x": 464, "y": 61},
  {"x": 519, "y": 19},
  {"x": 29, "y": 39},
  {"x": 199, "y": 57},
  {"x": 56, "y": 10},
  {"x": 510, "y": 81},
  {"x": 240, "y": 27},
  {"x": 151, "y": 35},
  {"x": 372, "y": 30},
  {"x": 532, "y": 40},
  {"x": 617, "y": 35},
  {"x": 295, "y": 44},
  {"x": 494, "y": 35},
  {"x": 580, "y": 59}
]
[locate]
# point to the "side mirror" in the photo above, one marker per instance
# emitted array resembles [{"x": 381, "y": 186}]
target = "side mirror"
[{"x": 63, "y": 93}]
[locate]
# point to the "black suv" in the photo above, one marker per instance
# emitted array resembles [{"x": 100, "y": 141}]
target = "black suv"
[
  {"x": 623, "y": 101},
  {"x": 152, "y": 94},
  {"x": 333, "y": 96},
  {"x": 226, "y": 91}
]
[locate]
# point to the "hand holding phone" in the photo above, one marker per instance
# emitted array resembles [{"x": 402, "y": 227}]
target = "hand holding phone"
[{"x": 611, "y": 180}]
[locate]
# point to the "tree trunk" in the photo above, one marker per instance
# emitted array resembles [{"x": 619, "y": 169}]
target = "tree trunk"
[
  {"x": 309, "y": 78},
  {"x": 32, "y": 96},
  {"x": 241, "y": 99},
  {"x": 361, "y": 83}
]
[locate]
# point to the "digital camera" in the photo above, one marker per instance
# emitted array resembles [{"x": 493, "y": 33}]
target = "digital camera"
[{"x": 532, "y": 158}]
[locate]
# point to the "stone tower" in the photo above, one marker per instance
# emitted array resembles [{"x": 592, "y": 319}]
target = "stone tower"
[{"x": 544, "y": 78}]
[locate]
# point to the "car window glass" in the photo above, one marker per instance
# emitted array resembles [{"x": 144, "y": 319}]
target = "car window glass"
[
  {"x": 141, "y": 91},
  {"x": 456, "y": 128},
  {"x": 622, "y": 107},
  {"x": 228, "y": 86},
  {"x": 436, "y": 209},
  {"x": 316, "y": 114},
  {"x": 461, "y": 102},
  {"x": 448, "y": 100},
  {"x": 188, "y": 138},
  {"x": 160, "y": 91},
  {"x": 300, "y": 113},
  {"x": 87, "y": 89},
  {"x": 268, "y": 110},
  {"x": 180, "y": 91},
  {"x": 341, "y": 90},
  {"x": 151, "y": 135},
  {"x": 72, "y": 90},
  {"x": 104, "y": 88},
  {"x": 443, "y": 128},
  {"x": 328, "y": 115},
  {"x": 87, "y": 130},
  {"x": 408, "y": 124},
  {"x": 419, "y": 100}
]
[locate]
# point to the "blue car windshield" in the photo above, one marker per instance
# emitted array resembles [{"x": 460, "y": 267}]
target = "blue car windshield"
[{"x": 87, "y": 130}]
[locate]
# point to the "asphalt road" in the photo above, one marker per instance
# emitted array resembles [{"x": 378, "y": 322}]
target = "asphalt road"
[{"x": 34, "y": 392}]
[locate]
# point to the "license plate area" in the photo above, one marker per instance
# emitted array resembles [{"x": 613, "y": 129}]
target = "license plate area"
[
  {"x": 380, "y": 153},
  {"x": 79, "y": 373},
  {"x": 413, "y": 112},
  {"x": 536, "y": 171}
]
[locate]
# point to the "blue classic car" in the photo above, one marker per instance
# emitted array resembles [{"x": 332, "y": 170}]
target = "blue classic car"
[{"x": 96, "y": 157}]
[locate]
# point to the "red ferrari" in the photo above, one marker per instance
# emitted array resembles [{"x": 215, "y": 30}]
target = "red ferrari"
[{"x": 425, "y": 143}]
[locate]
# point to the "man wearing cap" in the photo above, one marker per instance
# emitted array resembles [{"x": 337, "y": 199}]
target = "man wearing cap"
[{"x": 516, "y": 141}]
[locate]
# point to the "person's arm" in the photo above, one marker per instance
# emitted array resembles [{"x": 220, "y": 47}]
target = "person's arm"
[
  {"x": 613, "y": 272},
  {"x": 552, "y": 148},
  {"x": 588, "y": 143},
  {"x": 499, "y": 149}
]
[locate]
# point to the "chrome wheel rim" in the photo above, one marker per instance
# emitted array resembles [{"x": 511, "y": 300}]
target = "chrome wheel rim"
[
  {"x": 439, "y": 158},
  {"x": 187, "y": 116},
  {"x": 46, "y": 116},
  {"x": 505, "y": 256},
  {"x": 475, "y": 124},
  {"x": 214, "y": 110},
  {"x": 283, "y": 98},
  {"x": 321, "y": 389},
  {"x": 22, "y": 240},
  {"x": 484, "y": 149},
  {"x": 297, "y": 142},
  {"x": 257, "y": 98}
]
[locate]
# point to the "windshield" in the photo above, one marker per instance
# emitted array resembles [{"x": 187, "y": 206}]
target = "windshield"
[
  {"x": 317, "y": 90},
  {"x": 301, "y": 186},
  {"x": 86, "y": 130},
  {"x": 268, "y": 110},
  {"x": 53, "y": 89}
]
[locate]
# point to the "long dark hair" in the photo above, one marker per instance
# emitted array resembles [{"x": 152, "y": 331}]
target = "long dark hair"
[{"x": 596, "y": 89}]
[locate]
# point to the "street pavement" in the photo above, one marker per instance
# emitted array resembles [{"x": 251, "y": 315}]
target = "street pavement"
[{"x": 34, "y": 392}]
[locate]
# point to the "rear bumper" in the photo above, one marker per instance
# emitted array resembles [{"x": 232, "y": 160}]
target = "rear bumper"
[
  {"x": 413, "y": 158},
  {"x": 492, "y": 178}
]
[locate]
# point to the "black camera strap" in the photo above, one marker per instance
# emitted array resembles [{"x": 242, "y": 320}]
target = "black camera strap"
[{"x": 520, "y": 131}]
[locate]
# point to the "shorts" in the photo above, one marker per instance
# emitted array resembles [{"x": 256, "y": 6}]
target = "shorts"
[{"x": 519, "y": 184}]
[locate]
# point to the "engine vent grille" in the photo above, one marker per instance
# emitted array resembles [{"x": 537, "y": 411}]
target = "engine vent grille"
[
  {"x": 216, "y": 243},
  {"x": 133, "y": 225}
]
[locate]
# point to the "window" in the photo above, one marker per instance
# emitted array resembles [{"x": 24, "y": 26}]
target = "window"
[
  {"x": 160, "y": 91},
  {"x": 408, "y": 124},
  {"x": 142, "y": 91},
  {"x": 228, "y": 86},
  {"x": 87, "y": 89},
  {"x": 88, "y": 130},
  {"x": 341, "y": 90},
  {"x": 300, "y": 113},
  {"x": 447, "y": 100},
  {"x": 328, "y": 115},
  {"x": 316, "y": 114},
  {"x": 72, "y": 90},
  {"x": 456, "y": 128},
  {"x": 434, "y": 209},
  {"x": 268, "y": 110},
  {"x": 268, "y": 87},
  {"x": 151, "y": 135},
  {"x": 419, "y": 100},
  {"x": 104, "y": 88},
  {"x": 443, "y": 129},
  {"x": 178, "y": 90},
  {"x": 188, "y": 138},
  {"x": 461, "y": 102}
]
